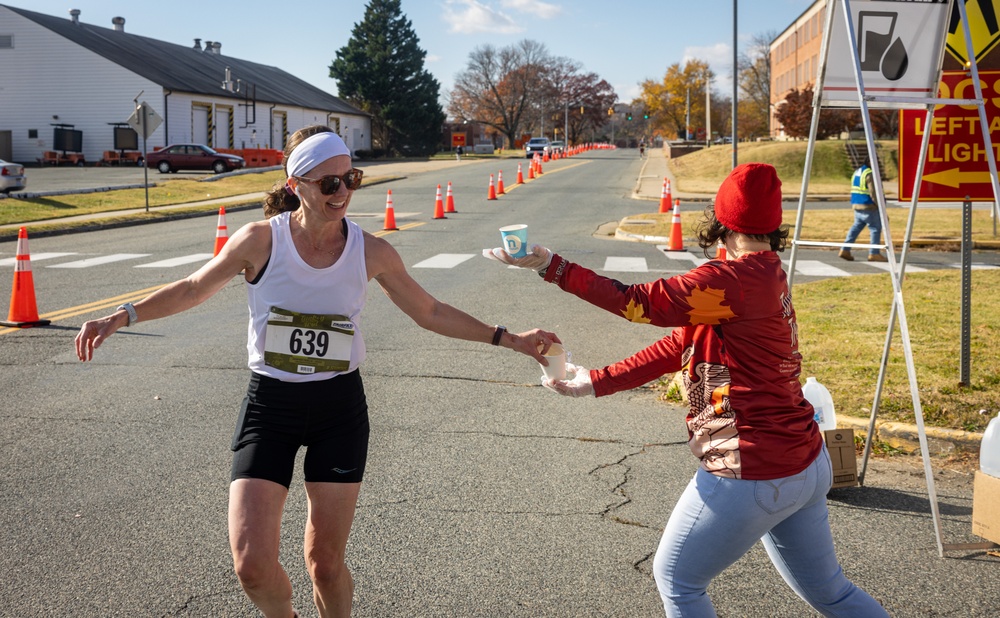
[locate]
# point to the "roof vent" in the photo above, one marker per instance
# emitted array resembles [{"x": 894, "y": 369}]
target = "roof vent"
[
  {"x": 74, "y": 16},
  {"x": 197, "y": 44},
  {"x": 208, "y": 46},
  {"x": 217, "y": 48},
  {"x": 119, "y": 23}
]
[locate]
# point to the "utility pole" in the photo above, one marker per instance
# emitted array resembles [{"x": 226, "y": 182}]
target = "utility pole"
[
  {"x": 708, "y": 111},
  {"x": 736, "y": 81},
  {"x": 687, "y": 115}
]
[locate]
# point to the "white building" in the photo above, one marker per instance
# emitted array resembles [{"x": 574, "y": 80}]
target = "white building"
[{"x": 62, "y": 71}]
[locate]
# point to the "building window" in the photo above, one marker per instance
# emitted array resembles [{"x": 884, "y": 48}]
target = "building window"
[
  {"x": 32, "y": 133},
  {"x": 6, "y": 41}
]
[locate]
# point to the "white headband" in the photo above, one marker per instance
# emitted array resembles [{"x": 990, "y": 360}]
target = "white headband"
[{"x": 314, "y": 150}]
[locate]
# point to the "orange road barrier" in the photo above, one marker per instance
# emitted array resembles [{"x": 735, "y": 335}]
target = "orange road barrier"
[
  {"x": 439, "y": 205},
  {"x": 23, "y": 310},
  {"x": 221, "y": 232},
  {"x": 500, "y": 190},
  {"x": 676, "y": 233},
  {"x": 449, "y": 201},
  {"x": 520, "y": 175},
  {"x": 390, "y": 214},
  {"x": 492, "y": 195}
]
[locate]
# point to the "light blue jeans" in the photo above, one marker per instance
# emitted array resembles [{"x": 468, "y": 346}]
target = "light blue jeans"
[
  {"x": 717, "y": 520},
  {"x": 873, "y": 221}
]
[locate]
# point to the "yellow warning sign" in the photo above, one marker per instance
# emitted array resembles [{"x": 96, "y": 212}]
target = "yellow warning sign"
[{"x": 983, "y": 26}]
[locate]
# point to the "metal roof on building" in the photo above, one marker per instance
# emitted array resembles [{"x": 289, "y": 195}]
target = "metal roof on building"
[{"x": 186, "y": 69}]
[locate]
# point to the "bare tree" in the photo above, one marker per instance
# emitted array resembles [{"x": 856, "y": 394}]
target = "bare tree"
[
  {"x": 500, "y": 86},
  {"x": 755, "y": 85}
]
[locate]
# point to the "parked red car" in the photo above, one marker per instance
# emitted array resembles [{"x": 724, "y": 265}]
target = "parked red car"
[{"x": 192, "y": 157}]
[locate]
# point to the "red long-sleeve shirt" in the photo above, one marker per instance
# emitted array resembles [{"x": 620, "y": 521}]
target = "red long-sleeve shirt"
[{"x": 736, "y": 340}]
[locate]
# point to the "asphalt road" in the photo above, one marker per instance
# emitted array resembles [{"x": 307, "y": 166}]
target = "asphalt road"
[{"x": 485, "y": 494}]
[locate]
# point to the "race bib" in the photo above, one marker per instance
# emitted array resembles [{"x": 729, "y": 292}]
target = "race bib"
[{"x": 307, "y": 343}]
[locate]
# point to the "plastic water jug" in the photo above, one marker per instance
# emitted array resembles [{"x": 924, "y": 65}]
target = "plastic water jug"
[
  {"x": 989, "y": 450},
  {"x": 822, "y": 403}
]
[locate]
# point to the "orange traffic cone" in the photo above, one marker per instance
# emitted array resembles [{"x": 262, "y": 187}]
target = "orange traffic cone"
[
  {"x": 720, "y": 251},
  {"x": 520, "y": 175},
  {"x": 221, "y": 231},
  {"x": 449, "y": 201},
  {"x": 23, "y": 310},
  {"x": 390, "y": 214},
  {"x": 676, "y": 234},
  {"x": 500, "y": 190},
  {"x": 531, "y": 171},
  {"x": 492, "y": 195},
  {"x": 539, "y": 166},
  {"x": 664, "y": 198},
  {"x": 439, "y": 205},
  {"x": 545, "y": 157}
]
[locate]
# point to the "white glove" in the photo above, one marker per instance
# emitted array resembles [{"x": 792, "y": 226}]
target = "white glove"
[
  {"x": 579, "y": 386},
  {"x": 538, "y": 259}
]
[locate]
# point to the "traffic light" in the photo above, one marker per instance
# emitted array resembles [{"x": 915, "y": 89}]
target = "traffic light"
[
  {"x": 646, "y": 116},
  {"x": 629, "y": 117},
  {"x": 611, "y": 111}
]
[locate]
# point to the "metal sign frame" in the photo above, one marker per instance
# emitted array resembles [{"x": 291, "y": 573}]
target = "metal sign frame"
[{"x": 897, "y": 100}]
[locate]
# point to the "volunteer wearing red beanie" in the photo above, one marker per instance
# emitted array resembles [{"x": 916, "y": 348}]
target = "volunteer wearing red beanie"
[{"x": 764, "y": 471}]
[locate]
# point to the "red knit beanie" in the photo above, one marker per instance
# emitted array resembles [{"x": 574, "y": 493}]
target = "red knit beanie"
[{"x": 749, "y": 199}]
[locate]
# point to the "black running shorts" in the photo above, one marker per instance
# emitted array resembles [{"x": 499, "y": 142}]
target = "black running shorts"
[{"x": 328, "y": 417}]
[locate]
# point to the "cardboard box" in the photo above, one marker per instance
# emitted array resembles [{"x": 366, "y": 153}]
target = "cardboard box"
[
  {"x": 986, "y": 507},
  {"x": 840, "y": 445}
]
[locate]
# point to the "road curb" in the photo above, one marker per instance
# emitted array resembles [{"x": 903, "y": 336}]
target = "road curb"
[{"x": 906, "y": 437}]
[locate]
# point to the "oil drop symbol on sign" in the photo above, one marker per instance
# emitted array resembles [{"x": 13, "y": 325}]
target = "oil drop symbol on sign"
[{"x": 877, "y": 50}]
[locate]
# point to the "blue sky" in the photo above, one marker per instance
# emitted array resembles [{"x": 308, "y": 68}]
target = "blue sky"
[{"x": 624, "y": 41}]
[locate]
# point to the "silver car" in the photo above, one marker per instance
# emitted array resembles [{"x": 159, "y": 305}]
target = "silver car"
[{"x": 11, "y": 177}]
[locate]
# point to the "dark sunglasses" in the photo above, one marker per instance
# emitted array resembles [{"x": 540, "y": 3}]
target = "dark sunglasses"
[{"x": 328, "y": 185}]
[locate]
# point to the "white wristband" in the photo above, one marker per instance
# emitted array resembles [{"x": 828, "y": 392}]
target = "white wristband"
[{"x": 130, "y": 310}]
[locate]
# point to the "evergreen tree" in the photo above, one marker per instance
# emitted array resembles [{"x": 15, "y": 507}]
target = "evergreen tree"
[{"x": 381, "y": 70}]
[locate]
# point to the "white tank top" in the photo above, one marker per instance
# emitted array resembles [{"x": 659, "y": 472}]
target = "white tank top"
[{"x": 305, "y": 322}]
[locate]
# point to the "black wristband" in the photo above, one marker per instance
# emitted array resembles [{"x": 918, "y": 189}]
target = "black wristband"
[{"x": 498, "y": 333}]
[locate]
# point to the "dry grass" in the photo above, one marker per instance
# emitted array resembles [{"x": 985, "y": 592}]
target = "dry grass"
[
  {"x": 941, "y": 225},
  {"x": 702, "y": 171},
  {"x": 167, "y": 192}
]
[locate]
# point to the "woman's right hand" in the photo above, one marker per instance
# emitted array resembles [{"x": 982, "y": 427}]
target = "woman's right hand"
[
  {"x": 93, "y": 333},
  {"x": 538, "y": 259}
]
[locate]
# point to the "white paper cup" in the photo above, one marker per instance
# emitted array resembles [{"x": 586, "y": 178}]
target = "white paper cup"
[
  {"x": 515, "y": 239},
  {"x": 557, "y": 362}
]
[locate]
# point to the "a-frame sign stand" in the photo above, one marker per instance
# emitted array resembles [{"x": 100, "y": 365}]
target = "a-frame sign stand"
[{"x": 888, "y": 54}]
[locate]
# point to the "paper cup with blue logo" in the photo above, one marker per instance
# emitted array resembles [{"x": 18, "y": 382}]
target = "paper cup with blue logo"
[{"x": 515, "y": 240}]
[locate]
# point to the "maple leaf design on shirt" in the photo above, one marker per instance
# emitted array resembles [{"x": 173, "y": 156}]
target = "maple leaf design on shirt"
[
  {"x": 707, "y": 308},
  {"x": 634, "y": 312}
]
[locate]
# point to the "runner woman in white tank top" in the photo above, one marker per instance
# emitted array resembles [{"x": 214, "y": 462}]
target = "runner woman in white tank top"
[{"x": 304, "y": 346}]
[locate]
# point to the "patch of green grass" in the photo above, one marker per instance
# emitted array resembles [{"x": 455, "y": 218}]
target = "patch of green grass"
[{"x": 842, "y": 326}]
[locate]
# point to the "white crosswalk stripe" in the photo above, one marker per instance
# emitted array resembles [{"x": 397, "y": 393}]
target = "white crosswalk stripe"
[
  {"x": 103, "y": 259},
  {"x": 444, "y": 260},
  {"x": 178, "y": 261},
  {"x": 685, "y": 256},
  {"x": 38, "y": 257},
  {"x": 625, "y": 264},
  {"x": 815, "y": 268},
  {"x": 885, "y": 266}
]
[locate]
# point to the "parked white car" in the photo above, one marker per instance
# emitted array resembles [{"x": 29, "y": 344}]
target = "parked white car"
[{"x": 12, "y": 177}]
